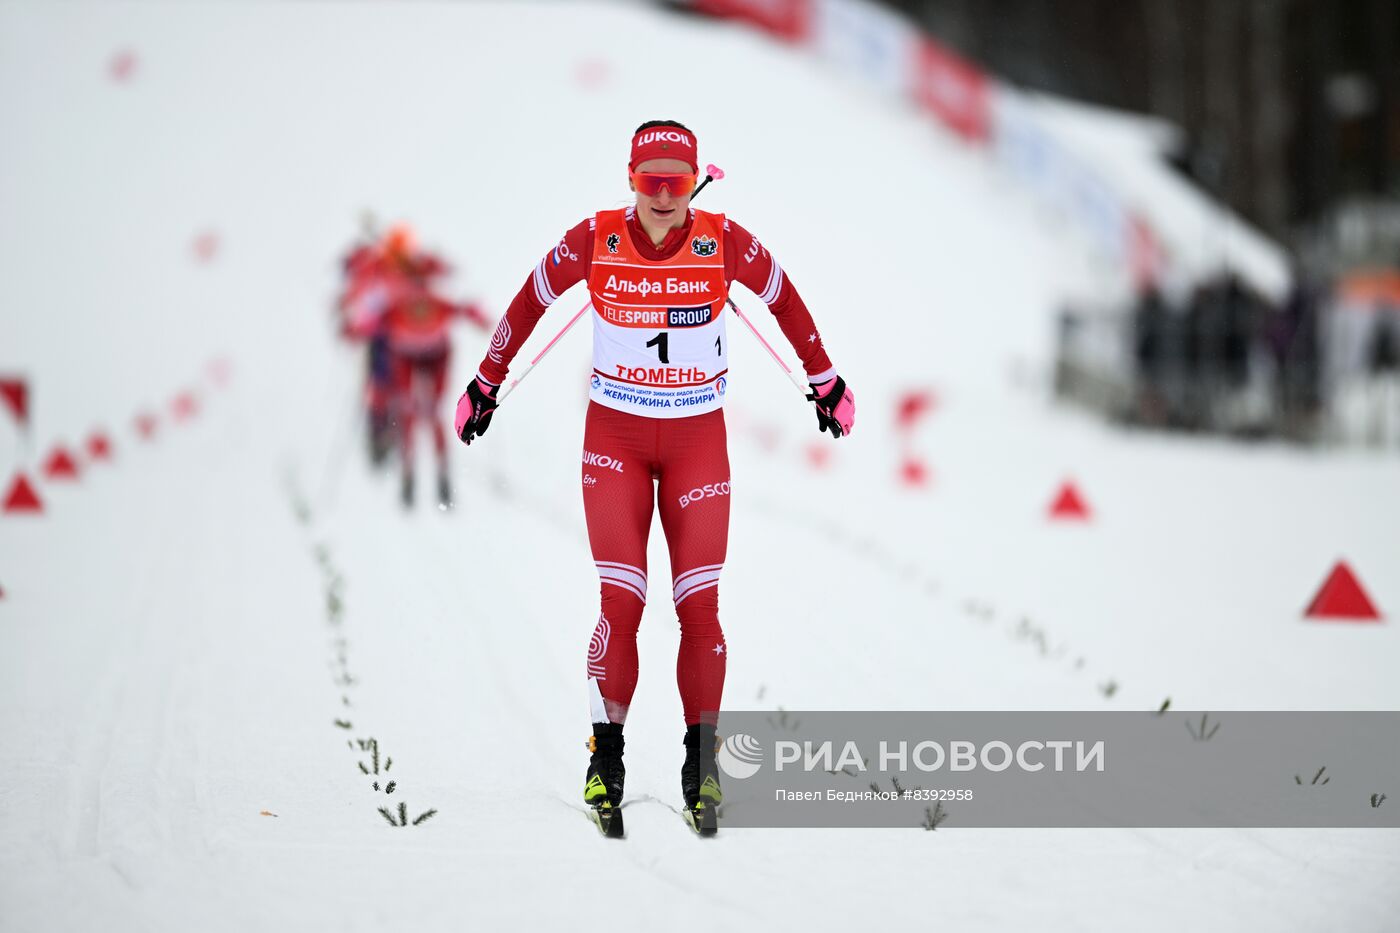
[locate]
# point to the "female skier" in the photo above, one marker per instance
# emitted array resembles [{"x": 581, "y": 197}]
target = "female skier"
[
  {"x": 393, "y": 302},
  {"x": 659, "y": 274}
]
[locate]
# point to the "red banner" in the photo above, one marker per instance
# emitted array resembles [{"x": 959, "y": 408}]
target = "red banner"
[
  {"x": 787, "y": 19},
  {"x": 953, "y": 89}
]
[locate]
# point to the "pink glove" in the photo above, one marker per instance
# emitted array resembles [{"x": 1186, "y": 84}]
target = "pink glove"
[
  {"x": 836, "y": 406},
  {"x": 474, "y": 409}
]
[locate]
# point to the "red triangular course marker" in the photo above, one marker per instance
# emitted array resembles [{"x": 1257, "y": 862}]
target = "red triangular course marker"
[
  {"x": 1069, "y": 504},
  {"x": 1342, "y": 597},
  {"x": 220, "y": 370},
  {"x": 122, "y": 65},
  {"x": 185, "y": 406},
  {"x": 99, "y": 446},
  {"x": 206, "y": 245},
  {"x": 61, "y": 464},
  {"x": 914, "y": 472},
  {"x": 146, "y": 425},
  {"x": 912, "y": 406},
  {"x": 22, "y": 497}
]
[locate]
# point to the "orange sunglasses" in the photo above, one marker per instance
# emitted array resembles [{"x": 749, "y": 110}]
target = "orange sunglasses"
[{"x": 651, "y": 184}]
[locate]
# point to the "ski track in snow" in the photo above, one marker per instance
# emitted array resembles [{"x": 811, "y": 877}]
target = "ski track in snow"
[{"x": 163, "y": 638}]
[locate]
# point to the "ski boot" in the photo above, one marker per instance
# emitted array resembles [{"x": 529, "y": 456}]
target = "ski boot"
[
  {"x": 444, "y": 490},
  {"x": 700, "y": 779},
  {"x": 602, "y": 789},
  {"x": 406, "y": 490}
]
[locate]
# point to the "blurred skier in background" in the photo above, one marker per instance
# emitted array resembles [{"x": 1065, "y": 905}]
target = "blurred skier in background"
[
  {"x": 394, "y": 305},
  {"x": 659, "y": 274},
  {"x": 361, "y": 308}
]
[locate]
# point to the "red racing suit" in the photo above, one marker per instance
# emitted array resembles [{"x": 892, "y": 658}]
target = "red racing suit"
[
  {"x": 413, "y": 320},
  {"x": 654, "y": 436}
]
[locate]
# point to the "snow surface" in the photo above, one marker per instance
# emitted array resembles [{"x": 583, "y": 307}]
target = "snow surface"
[{"x": 169, "y": 665}]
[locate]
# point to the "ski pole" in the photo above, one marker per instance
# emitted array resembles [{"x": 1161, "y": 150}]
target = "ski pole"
[
  {"x": 521, "y": 378},
  {"x": 771, "y": 352},
  {"x": 712, "y": 173}
]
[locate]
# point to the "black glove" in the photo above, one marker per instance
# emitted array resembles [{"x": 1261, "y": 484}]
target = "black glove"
[
  {"x": 474, "y": 409},
  {"x": 836, "y": 406}
]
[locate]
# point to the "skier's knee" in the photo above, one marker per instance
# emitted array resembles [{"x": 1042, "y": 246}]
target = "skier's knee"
[
  {"x": 698, "y": 614},
  {"x": 698, "y": 586}
]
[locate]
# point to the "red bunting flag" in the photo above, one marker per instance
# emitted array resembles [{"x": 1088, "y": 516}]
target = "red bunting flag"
[{"x": 14, "y": 392}]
